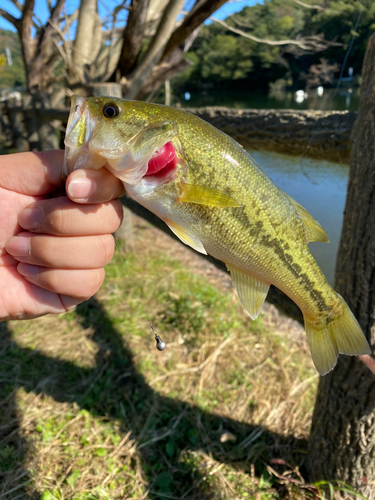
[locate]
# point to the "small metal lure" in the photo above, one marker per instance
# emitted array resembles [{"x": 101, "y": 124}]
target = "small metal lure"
[{"x": 160, "y": 345}]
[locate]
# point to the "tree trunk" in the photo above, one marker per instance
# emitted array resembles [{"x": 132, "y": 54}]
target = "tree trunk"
[
  {"x": 133, "y": 37},
  {"x": 85, "y": 40},
  {"x": 17, "y": 125},
  {"x": 157, "y": 44},
  {"x": 342, "y": 439}
]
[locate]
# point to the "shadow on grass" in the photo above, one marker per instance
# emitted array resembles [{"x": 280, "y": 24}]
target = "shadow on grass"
[{"x": 114, "y": 389}]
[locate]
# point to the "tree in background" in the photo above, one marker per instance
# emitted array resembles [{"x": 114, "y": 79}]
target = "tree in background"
[
  {"x": 139, "y": 53},
  {"x": 321, "y": 74},
  {"x": 142, "y": 43},
  {"x": 280, "y": 39},
  {"x": 342, "y": 439},
  {"x": 11, "y": 74}
]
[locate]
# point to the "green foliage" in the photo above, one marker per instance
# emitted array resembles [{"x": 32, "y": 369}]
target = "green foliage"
[
  {"x": 11, "y": 76},
  {"x": 220, "y": 56}
]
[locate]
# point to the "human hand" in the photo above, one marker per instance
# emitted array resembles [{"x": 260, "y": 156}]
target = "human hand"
[{"x": 52, "y": 246}]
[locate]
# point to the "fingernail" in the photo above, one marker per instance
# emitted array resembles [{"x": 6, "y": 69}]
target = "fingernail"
[
  {"x": 81, "y": 188},
  {"x": 30, "y": 218},
  {"x": 28, "y": 270},
  {"x": 18, "y": 246}
]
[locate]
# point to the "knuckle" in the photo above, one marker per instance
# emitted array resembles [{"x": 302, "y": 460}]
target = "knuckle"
[
  {"x": 119, "y": 211},
  {"x": 107, "y": 243},
  {"x": 43, "y": 250},
  {"x": 93, "y": 281},
  {"x": 56, "y": 221}
]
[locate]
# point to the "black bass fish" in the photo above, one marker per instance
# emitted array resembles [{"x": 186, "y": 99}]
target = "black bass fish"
[{"x": 217, "y": 200}]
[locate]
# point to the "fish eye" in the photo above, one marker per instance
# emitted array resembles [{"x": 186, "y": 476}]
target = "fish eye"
[{"x": 111, "y": 110}]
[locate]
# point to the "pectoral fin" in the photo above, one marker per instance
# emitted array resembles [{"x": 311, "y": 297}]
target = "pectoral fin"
[
  {"x": 251, "y": 292},
  {"x": 206, "y": 196},
  {"x": 314, "y": 231},
  {"x": 186, "y": 237}
]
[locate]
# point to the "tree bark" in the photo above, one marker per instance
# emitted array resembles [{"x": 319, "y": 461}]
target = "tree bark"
[
  {"x": 133, "y": 37},
  {"x": 33, "y": 49},
  {"x": 84, "y": 41},
  {"x": 342, "y": 439},
  {"x": 197, "y": 16},
  {"x": 157, "y": 44}
]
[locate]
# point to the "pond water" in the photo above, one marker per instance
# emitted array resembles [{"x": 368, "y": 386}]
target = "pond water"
[
  {"x": 343, "y": 99},
  {"x": 320, "y": 187}
]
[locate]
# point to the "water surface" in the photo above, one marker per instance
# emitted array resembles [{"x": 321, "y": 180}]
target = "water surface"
[{"x": 330, "y": 100}]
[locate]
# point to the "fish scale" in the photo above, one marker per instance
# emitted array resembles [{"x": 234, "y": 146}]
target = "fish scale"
[{"x": 216, "y": 199}]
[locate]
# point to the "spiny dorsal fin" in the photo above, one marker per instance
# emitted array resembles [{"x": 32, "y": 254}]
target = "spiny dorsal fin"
[
  {"x": 251, "y": 292},
  {"x": 314, "y": 231},
  {"x": 206, "y": 196},
  {"x": 186, "y": 237}
]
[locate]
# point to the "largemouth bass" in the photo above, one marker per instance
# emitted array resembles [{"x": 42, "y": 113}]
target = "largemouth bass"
[{"x": 217, "y": 200}]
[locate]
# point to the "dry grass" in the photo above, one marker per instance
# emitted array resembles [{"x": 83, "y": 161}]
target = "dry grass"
[{"x": 91, "y": 410}]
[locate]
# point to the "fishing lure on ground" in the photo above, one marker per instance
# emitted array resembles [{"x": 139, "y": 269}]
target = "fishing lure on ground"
[
  {"x": 216, "y": 199},
  {"x": 160, "y": 344}
]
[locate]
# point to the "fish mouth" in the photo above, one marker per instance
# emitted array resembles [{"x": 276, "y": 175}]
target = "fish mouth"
[
  {"x": 79, "y": 131},
  {"x": 92, "y": 143}
]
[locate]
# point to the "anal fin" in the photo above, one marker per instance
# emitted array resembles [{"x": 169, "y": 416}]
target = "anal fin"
[
  {"x": 186, "y": 237},
  {"x": 251, "y": 292}
]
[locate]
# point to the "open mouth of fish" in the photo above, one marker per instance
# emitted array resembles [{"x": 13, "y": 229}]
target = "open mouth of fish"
[
  {"x": 88, "y": 146},
  {"x": 163, "y": 161}
]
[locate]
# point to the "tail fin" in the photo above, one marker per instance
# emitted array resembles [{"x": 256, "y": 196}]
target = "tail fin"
[{"x": 343, "y": 335}]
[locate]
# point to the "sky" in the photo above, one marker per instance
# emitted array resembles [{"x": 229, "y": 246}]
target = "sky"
[{"x": 42, "y": 10}]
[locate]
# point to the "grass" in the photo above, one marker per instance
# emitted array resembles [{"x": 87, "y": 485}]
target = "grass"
[{"x": 91, "y": 410}]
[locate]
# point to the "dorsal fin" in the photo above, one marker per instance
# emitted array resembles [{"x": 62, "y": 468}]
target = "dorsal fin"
[{"x": 314, "y": 231}]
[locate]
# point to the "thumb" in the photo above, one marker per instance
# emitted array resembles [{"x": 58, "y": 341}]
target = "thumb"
[{"x": 93, "y": 186}]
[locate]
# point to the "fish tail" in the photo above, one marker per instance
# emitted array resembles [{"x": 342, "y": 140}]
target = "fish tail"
[{"x": 340, "y": 334}]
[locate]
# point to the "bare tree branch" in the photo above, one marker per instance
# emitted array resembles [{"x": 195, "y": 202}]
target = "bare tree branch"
[
  {"x": 83, "y": 42},
  {"x": 133, "y": 37},
  {"x": 154, "y": 14},
  {"x": 308, "y": 6},
  {"x": 314, "y": 43},
  {"x": 17, "y": 4},
  {"x": 63, "y": 54},
  {"x": 37, "y": 22},
  {"x": 164, "y": 72},
  {"x": 24, "y": 31},
  {"x": 69, "y": 20},
  {"x": 64, "y": 49},
  {"x": 157, "y": 44},
  {"x": 45, "y": 33},
  {"x": 8, "y": 17},
  {"x": 201, "y": 12}
]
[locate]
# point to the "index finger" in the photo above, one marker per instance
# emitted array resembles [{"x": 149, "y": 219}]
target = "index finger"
[{"x": 34, "y": 173}]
